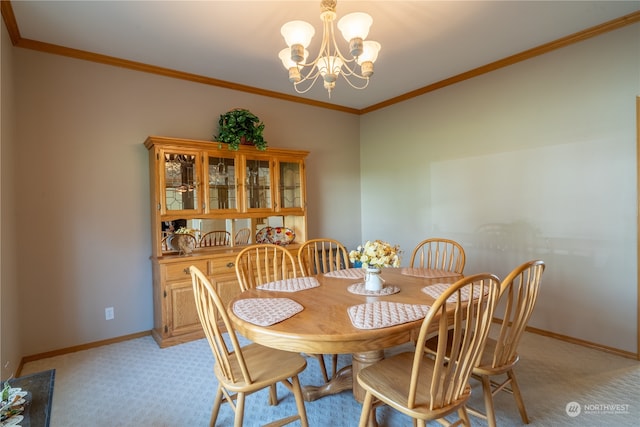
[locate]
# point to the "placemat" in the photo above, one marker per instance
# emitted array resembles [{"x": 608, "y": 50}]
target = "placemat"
[
  {"x": 347, "y": 273},
  {"x": 360, "y": 289},
  {"x": 382, "y": 314},
  {"x": 437, "y": 289},
  {"x": 290, "y": 285},
  {"x": 429, "y": 273},
  {"x": 266, "y": 311}
]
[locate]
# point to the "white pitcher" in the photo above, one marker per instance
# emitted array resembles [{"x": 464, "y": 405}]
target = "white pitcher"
[{"x": 372, "y": 280}]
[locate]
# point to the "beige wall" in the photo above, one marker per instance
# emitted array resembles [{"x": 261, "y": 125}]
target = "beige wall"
[
  {"x": 85, "y": 233},
  {"x": 537, "y": 160},
  {"x": 10, "y": 326}
]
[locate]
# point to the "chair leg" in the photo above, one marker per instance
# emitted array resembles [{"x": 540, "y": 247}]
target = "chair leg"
[
  {"x": 366, "y": 409},
  {"x": 517, "y": 396},
  {"x": 334, "y": 368},
  {"x": 488, "y": 400},
  {"x": 239, "y": 410},
  {"x": 464, "y": 416},
  {"x": 297, "y": 393},
  {"x": 216, "y": 407},
  {"x": 273, "y": 395},
  {"x": 323, "y": 367},
  {"x": 487, "y": 392}
]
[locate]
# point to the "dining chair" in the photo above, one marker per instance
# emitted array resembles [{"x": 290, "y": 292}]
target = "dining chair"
[
  {"x": 243, "y": 370},
  {"x": 439, "y": 254},
  {"x": 518, "y": 295},
  {"x": 429, "y": 388},
  {"x": 215, "y": 238},
  {"x": 263, "y": 263},
  {"x": 519, "y": 292},
  {"x": 318, "y": 256},
  {"x": 242, "y": 236}
]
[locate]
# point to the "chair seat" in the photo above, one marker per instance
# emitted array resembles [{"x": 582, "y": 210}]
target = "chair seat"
[
  {"x": 267, "y": 365},
  {"x": 395, "y": 392}
]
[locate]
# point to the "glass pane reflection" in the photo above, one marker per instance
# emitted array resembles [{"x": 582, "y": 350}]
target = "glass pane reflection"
[
  {"x": 258, "y": 184},
  {"x": 290, "y": 185},
  {"x": 222, "y": 183},
  {"x": 180, "y": 181}
]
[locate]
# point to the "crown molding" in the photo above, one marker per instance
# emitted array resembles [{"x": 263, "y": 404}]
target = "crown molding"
[{"x": 14, "y": 33}]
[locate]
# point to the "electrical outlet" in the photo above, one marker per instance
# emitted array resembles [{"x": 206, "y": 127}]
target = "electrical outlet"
[{"x": 108, "y": 313}]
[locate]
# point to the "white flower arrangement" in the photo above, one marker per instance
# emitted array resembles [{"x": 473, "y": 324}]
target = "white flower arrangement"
[
  {"x": 13, "y": 404},
  {"x": 376, "y": 254},
  {"x": 183, "y": 230}
]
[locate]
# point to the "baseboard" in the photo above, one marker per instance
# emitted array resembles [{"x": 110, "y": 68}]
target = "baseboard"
[
  {"x": 577, "y": 341},
  {"x": 81, "y": 347},
  {"x": 560, "y": 337},
  {"x": 584, "y": 343}
]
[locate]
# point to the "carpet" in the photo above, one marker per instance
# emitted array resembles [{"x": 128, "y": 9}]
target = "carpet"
[{"x": 135, "y": 383}]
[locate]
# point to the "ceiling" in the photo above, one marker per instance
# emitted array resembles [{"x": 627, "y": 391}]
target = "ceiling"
[{"x": 423, "y": 42}]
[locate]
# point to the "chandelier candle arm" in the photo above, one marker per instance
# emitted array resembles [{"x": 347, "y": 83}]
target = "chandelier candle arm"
[{"x": 330, "y": 62}]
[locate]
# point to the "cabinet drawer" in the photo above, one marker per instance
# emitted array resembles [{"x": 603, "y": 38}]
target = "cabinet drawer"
[
  {"x": 223, "y": 265},
  {"x": 180, "y": 270}
]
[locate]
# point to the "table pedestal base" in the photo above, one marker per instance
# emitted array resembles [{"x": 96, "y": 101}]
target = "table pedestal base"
[
  {"x": 345, "y": 379},
  {"x": 342, "y": 380},
  {"x": 360, "y": 361}
]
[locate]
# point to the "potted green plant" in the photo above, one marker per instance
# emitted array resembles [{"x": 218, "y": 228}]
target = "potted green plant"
[{"x": 240, "y": 126}]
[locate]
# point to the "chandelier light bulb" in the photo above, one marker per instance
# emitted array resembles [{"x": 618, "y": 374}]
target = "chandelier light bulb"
[
  {"x": 355, "y": 26},
  {"x": 287, "y": 62},
  {"x": 294, "y": 72},
  {"x": 297, "y": 32},
  {"x": 370, "y": 51}
]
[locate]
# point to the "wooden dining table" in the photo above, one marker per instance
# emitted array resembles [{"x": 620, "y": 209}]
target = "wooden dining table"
[{"x": 325, "y": 327}]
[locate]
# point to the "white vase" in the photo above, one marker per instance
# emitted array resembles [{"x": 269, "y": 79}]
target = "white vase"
[{"x": 372, "y": 280}]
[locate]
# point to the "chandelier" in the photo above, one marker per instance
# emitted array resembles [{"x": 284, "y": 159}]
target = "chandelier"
[{"x": 330, "y": 62}]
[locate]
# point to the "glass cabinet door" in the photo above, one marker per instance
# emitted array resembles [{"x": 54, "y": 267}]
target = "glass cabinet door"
[
  {"x": 258, "y": 192},
  {"x": 222, "y": 190},
  {"x": 179, "y": 178},
  {"x": 289, "y": 188}
]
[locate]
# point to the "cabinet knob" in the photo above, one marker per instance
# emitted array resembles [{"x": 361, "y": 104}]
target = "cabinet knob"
[
  {"x": 230, "y": 264},
  {"x": 186, "y": 271}
]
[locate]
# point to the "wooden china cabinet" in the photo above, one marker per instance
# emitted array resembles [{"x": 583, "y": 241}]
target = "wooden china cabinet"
[{"x": 203, "y": 186}]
